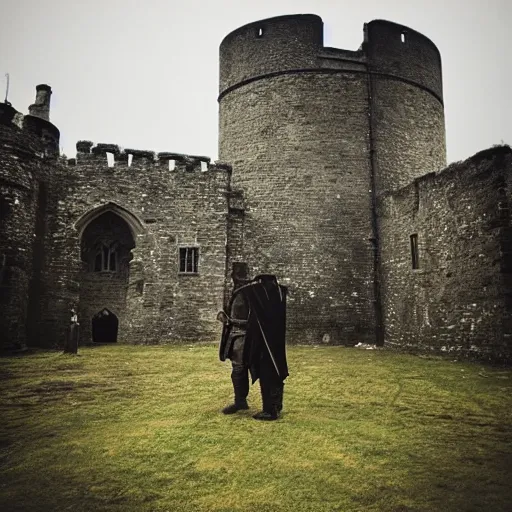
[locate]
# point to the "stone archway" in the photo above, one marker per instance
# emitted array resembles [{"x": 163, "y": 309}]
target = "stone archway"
[
  {"x": 105, "y": 325},
  {"x": 134, "y": 223},
  {"x": 106, "y": 245}
]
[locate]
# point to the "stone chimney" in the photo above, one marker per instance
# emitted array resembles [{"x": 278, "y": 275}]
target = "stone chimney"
[{"x": 41, "y": 107}]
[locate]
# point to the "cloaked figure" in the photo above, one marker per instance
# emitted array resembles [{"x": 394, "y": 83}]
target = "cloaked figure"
[
  {"x": 254, "y": 338},
  {"x": 73, "y": 334}
]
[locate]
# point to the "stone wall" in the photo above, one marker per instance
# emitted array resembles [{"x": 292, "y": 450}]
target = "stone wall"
[
  {"x": 406, "y": 96},
  {"x": 408, "y": 133},
  {"x": 21, "y": 161},
  {"x": 164, "y": 210},
  {"x": 274, "y": 45},
  {"x": 314, "y": 134},
  {"x": 455, "y": 300},
  {"x": 235, "y": 238},
  {"x": 300, "y": 151},
  {"x": 399, "y": 52}
]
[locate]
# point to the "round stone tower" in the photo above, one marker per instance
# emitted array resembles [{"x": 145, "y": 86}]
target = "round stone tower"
[
  {"x": 18, "y": 163},
  {"x": 313, "y": 135},
  {"x": 406, "y": 104},
  {"x": 29, "y": 146}
]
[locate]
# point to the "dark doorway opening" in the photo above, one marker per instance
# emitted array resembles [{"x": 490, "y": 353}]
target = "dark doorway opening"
[{"x": 104, "y": 327}]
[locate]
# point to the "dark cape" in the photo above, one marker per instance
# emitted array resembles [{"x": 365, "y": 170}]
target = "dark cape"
[{"x": 265, "y": 341}]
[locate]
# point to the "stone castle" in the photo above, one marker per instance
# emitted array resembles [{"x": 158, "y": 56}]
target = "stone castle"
[{"x": 331, "y": 174}]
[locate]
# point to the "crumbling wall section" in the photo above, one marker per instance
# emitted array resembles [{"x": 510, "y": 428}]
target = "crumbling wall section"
[{"x": 455, "y": 300}]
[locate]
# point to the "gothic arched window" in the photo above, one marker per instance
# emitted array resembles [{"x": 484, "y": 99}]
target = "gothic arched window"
[{"x": 106, "y": 257}]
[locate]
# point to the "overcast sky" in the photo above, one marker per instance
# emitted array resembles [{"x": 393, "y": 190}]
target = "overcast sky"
[{"x": 144, "y": 74}]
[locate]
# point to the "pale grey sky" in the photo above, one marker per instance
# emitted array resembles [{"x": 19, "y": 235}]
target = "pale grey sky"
[{"x": 144, "y": 74}]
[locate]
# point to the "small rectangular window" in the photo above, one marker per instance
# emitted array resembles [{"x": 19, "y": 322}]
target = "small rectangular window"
[
  {"x": 414, "y": 251},
  {"x": 402, "y": 37},
  {"x": 189, "y": 260}
]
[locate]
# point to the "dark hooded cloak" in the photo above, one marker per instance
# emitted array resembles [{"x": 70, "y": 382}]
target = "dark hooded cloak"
[{"x": 266, "y": 327}]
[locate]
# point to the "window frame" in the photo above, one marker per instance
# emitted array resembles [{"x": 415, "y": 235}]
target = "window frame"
[
  {"x": 106, "y": 249},
  {"x": 192, "y": 251},
  {"x": 415, "y": 251}
]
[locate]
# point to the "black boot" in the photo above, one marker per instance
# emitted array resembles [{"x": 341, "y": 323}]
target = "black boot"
[
  {"x": 240, "y": 379},
  {"x": 235, "y": 407},
  {"x": 266, "y": 416},
  {"x": 270, "y": 398}
]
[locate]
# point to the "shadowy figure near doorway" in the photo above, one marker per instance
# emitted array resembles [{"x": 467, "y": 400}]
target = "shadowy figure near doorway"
[{"x": 73, "y": 334}]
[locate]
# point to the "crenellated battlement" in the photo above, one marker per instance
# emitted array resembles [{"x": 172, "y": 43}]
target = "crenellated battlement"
[
  {"x": 112, "y": 155},
  {"x": 294, "y": 44},
  {"x": 103, "y": 149}
]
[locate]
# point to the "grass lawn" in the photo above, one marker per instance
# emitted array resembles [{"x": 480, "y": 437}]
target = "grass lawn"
[{"x": 137, "y": 428}]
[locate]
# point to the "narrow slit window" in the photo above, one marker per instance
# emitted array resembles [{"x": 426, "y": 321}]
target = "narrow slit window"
[
  {"x": 130, "y": 160},
  {"x": 414, "y": 251},
  {"x": 260, "y": 32},
  {"x": 402, "y": 37},
  {"x": 189, "y": 260}
]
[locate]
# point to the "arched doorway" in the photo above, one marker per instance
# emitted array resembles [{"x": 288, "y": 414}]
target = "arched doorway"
[
  {"x": 104, "y": 327},
  {"x": 106, "y": 250}
]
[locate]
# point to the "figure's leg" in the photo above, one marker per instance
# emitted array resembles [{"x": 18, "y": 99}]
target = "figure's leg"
[
  {"x": 240, "y": 380},
  {"x": 271, "y": 392},
  {"x": 279, "y": 396}
]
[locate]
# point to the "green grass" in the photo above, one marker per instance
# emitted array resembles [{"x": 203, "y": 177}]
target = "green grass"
[{"x": 132, "y": 428}]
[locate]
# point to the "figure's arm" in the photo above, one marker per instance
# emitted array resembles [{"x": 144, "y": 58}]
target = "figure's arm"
[
  {"x": 223, "y": 317},
  {"x": 226, "y": 320}
]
